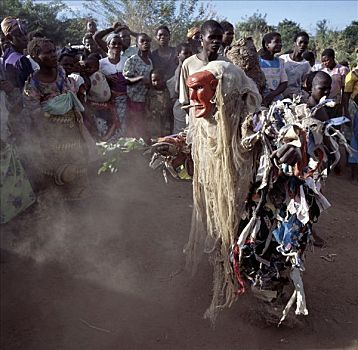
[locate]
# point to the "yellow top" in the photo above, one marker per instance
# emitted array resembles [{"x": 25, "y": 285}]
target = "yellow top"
[{"x": 351, "y": 82}]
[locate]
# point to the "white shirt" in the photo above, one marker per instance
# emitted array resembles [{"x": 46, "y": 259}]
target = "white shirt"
[
  {"x": 108, "y": 68},
  {"x": 296, "y": 73}
]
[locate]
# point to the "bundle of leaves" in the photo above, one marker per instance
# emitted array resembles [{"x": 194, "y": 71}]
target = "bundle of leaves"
[{"x": 112, "y": 152}]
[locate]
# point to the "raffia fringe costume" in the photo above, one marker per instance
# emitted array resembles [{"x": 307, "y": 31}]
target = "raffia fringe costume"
[{"x": 222, "y": 175}]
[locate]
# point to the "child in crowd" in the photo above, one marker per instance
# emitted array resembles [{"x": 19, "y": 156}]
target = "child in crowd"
[
  {"x": 91, "y": 26},
  {"x": 318, "y": 84},
  {"x": 70, "y": 64},
  {"x": 158, "y": 106},
  {"x": 137, "y": 73},
  {"x": 100, "y": 90},
  {"x": 273, "y": 68},
  {"x": 184, "y": 51},
  {"x": 338, "y": 74},
  {"x": 100, "y": 106},
  {"x": 67, "y": 61}
]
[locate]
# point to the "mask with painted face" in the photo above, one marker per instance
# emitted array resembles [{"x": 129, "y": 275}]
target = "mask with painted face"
[{"x": 202, "y": 87}]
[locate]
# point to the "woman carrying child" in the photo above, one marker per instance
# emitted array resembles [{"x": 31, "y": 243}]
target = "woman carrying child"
[
  {"x": 273, "y": 68},
  {"x": 137, "y": 73},
  {"x": 59, "y": 151}
]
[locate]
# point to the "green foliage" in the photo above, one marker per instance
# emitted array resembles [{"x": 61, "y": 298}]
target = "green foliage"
[
  {"x": 47, "y": 17},
  {"x": 146, "y": 15},
  {"x": 254, "y": 26},
  {"x": 343, "y": 42},
  {"x": 350, "y": 36},
  {"x": 111, "y": 153}
]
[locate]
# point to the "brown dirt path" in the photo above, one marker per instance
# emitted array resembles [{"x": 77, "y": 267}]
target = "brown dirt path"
[{"x": 110, "y": 276}]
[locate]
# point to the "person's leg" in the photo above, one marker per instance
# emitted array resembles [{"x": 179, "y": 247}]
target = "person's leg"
[{"x": 121, "y": 107}]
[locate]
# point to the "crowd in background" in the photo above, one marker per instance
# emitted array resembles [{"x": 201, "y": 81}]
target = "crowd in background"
[{"x": 56, "y": 103}]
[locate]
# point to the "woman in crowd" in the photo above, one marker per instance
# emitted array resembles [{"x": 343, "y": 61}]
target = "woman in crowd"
[
  {"x": 228, "y": 37},
  {"x": 17, "y": 66},
  {"x": 164, "y": 57},
  {"x": 112, "y": 67},
  {"x": 297, "y": 67},
  {"x": 273, "y": 68},
  {"x": 137, "y": 72},
  {"x": 59, "y": 150}
]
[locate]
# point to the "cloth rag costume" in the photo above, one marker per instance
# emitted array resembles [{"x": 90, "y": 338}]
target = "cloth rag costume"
[{"x": 251, "y": 215}]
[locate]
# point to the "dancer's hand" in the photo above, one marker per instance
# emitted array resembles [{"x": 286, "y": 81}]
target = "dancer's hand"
[{"x": 288, "y": 154}]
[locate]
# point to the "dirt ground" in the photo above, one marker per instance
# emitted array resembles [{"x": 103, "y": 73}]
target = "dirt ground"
[{"x": 110, "y": 275}]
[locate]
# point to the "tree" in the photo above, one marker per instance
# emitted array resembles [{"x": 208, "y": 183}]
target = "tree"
[
  {"x": 288, "y": 29},
  {"x": 350, "y": 35},
  {"x": 254, "y": 26},
  {"x": 146, "y": 15},
  {"x": 49, "y": 18},
  {"x": 342, "y": 42}
]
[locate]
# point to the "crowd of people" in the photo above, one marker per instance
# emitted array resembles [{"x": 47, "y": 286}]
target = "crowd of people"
[{"x": 56, "y": 103}]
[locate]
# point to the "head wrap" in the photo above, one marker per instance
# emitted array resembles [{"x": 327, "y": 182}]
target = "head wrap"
[
  {"x": 192, "y": 32},
  {"x": 111, "y": 36},
  {"x": 9, "y": 23}
]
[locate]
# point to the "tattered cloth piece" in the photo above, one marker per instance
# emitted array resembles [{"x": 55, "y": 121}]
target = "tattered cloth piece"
[
  {"x": 243, "y": 54},
  {"x": 298, "y": 296},
  {"x": 286, "y": 122}
]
